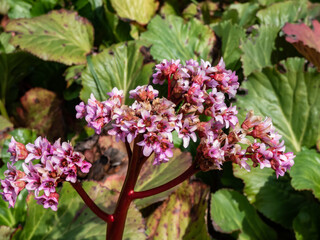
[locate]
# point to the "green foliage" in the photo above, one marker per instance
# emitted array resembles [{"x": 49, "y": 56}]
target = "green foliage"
[
  {"x": 305, "y": 172},
  {"x": 257, "y": 51},
  {"x": 140, "y": 10},
  {"x": 231, "y": 211},
  {"x": 232, "y": 35},
  {"x": 280, "y": 13},
  {"x": 182, "y": 215},
  {"x": 60, "y": 36},
  {"x": 120, "y": 66},
  {"x": 271, "y": 195},
  {"x": 172, "y": 38}
]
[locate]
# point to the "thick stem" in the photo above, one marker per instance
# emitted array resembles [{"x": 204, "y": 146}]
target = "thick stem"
[
  {"x": 174, "y": 182},
  {"x": 129, "y": 152},
  {"x": 88, "y": 201},
  {"x": 115, "y": 229}
]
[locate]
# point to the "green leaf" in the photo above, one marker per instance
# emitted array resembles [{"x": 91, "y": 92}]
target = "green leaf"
[
  {"x": 74, "y": 220},
  {"x": 153, "y": 176},
  {"x": 182, "y": 215},
  {"x": 5, "y": 124},
  {"x": 278, "y": 14},
  {"x": 290, "y": 96},
  {"x": 136, "y": 10},
  {"x": 257, "y": 50},
  {"x": 243, "y": 14},
  {"x": 5, "y": 46},
  {"x": 231, "y": 36},
  {"x": 305, "y": 172},
  {"x": 306, "y": 225},
  {"x": 120, "y": 66},
  {"x": 270, "y": 195},
  {"x": 42, "y": 111},
  {"x": 231, "y": 211},
  {"x": 19, "y": 9},
  {"x": 172, "y": 38},
  {"x": 61, "y": 36},
  {"x": 12, "y": 217}
]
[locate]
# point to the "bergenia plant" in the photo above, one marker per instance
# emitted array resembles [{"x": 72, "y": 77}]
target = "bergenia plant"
[{"x": 195, "y": 91}]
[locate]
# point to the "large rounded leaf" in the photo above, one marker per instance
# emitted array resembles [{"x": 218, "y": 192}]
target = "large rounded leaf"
[
  {"x": 305, "y": 172},
  {"x": 74, "y": 220},
  {"x": 182, "y": 215},
  {"x": 290, "y": 96},
  {"x": 173, "y": 38},
  {"x": 231, "y": 211},
  {"x": 271, "y": 195},
  {"x": 61, "y": 36},
  {"x": 120, "y": 66},
  {"x": 137, "y": 10}
]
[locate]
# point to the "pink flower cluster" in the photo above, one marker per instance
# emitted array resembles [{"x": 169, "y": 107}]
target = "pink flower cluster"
[
  {"x": 269, "y": 152},
  {"x": 193, "y": 89},
  {"x": 154, "y": 118},
  {"x": 55, "y": 163}
]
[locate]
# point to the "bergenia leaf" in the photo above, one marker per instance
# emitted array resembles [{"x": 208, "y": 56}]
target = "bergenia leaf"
[
  {"x": 231, "y": 211},
  {"x": 277, "y": 14},
  {"x": 257, "y": 51},
  {"x": 61, "y": 36},
  {"x": 231, "y": 36},
  {"x": 270, "y": 195},
  {"x": 41, "y": 110},
  {"x": 305, "y": 172},
  {"x": 290, "y": 96},
  {"x": 140, "y": 11},
  {"x": 173, "y": 38},
  {"x": 121, "y": 65},
  {"x": 182, "y": 215},
  {"x": 305, "y": 40}
]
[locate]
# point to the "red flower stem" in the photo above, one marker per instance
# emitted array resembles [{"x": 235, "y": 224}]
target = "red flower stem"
[
  {"x": 174, "y": 182},
  {"x": 115, "y": 229},
  {"x": 88, "y": 201},
  {"x": 129, "y": 152}
]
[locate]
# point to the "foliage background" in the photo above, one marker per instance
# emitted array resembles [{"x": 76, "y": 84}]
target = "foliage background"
[{"x": 54, "y": 53}]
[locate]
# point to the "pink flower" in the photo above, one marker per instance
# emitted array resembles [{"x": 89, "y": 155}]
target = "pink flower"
[
  {"x": 38, "y": 149},
  {"x": 144, "y": 93},
  {"x": 186, "y": 132},
  {"x": 163, "y": 151},
  {"x": 150, "y": 142},
  {"x": 81, "y": 110},
  {"x": 50, "y": 201},
  {"x": 17, "y": 150}
]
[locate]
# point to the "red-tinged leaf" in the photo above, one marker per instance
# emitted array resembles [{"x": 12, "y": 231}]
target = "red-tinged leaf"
[
  {"x": 41, "y": 110},
  {"x": 182, "y": 215},
  {"x": 305, "y": 40}
]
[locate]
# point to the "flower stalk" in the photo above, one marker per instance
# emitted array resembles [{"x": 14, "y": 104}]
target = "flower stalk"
[{"x": 90, "y": 203}]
